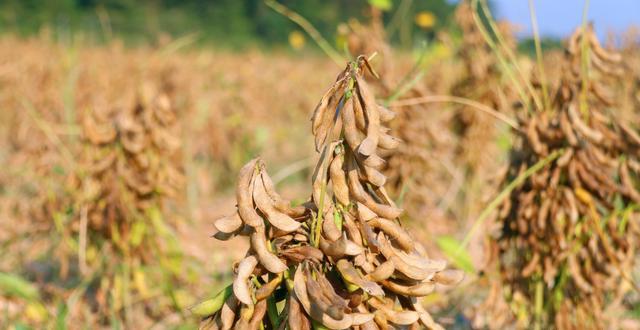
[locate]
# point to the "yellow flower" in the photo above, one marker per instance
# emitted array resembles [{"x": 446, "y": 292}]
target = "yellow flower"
[
  {"x": 425, "y": 19},
  {"x": 296, "y": 40}
]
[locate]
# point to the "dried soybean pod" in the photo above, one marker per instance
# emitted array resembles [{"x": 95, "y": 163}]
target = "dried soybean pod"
[
  {"x": 268, "y": 288},
  {"x": 338, "y": 178},
  {"x": 321, "y": 108},
  {"x": 382, "y": 272},
  {"x": 241, "y": 282},
  {"x": 267, "y": 259},
  {"x": 228, "y": 224},
  {"x": 374, "y": 176},
  {"x": 244, "y": 194},
  {"x": 329, "y": 122},
  {"x": 365, "y": 213},
  {"x": 374, "y": 161},
  {"x": 598, "y": 50},
  {"x": 330, "y": 293},
  {"x": 449, "y": 277},
  {"x": 340, "y": 248},
  {"x": 228, "y": 312},
  {"x": 282, "y": 204},
  {"x": 350, "y": 274},
  {"x": 98, "y": 134},
  {"x": 358, "y": 192},
  {"x": 425, "y": 317},
  {"x": 308, "y": 252},
  {"x": 297, "y": 319},
  {"x": 318, "y": 298},
  {"x": 386, "y": 115},
  {"x": 358, "y": 110},
  {"x": 265, "y": 204},
  {"x": 576, "y": 274},
  {"x": 393, "y": 316},
  {"x": 351, "y": 133},
  {"x": 416, "y": 290},
  {"x": 370, "y": 143},
  {"x": 394, "y": 230},
  {"x": 352, "y": 228},
  {"x": 388, "y": 142},
  {"x": 581, "y": 127},
  {"x": 329, "y": 227},
  {"x": 413, "y": 271},
  {"x": 258, "y": 314},
  {"x": 300, "y": 289}
]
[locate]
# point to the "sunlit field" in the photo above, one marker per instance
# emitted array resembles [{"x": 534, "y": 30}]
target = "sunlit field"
[{"x": 463, "y": 182}]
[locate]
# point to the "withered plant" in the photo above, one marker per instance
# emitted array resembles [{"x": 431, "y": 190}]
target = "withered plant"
[
  {"x": 131, "y": 166},
  {"x": 342, "y": 259},
  {"x": 483, "y": 81},
  {"x": 569, "y": 233}
]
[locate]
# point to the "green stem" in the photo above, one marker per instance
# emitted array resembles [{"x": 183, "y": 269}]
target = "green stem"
[{"x": 536, "y": 39}]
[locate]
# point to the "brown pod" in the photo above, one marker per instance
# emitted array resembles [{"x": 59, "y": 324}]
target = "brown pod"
[
  {"x": 382, "y": 272},
  {"x": 416, "y": 290},
  {"x": 386, "y": 115},
  {"x": 329, "y": 227},
  {"x": 374, "y": 161},
  {"x": 317, "y": 297},
  {"x": 268, "y": 288},
  {"x": 399, "y": 235},
  {"x": 350, "y": 274},
  {"x": 296, "y": 319},
  {"x": 98, "y": 134},
  {"x": 228, "y": 224},
  {"x": 449, "y": 277},
  {"x": 425, "y": 317},
  {"x": 404, "y": 317},
  {"x": 241, "y": 281},
  {"x": 303, "y": 252},
  {"x": 300, "y": 289},
  {"x": 330, "y": 293},
  {"x": 358, "y": 110},
  {"x": 244, "y": 195},
  {"x": 228, "y": 312},
  {"x": 267, "y": 259},
  {"x": 359, "y": 193},
  {"x": 370, "y": 143},
  {"x": 388, "y": 142},
  {"x": 567, "y": 129},
  {"x": 580, "y": 126},
  {"x": 283, "y": 205},
  {"x": 259, "y": 311},
  {"x": 353, "y": 232},
  {"x": 329, "y": 123},
  {"x": 365, "y": 213},
  {"x": 340, "y": 248},
  {"x": 266, "y": 206},
  {"x": 374, "y": 176},
  {"x": 338, "y": 179},
  {"x": 351, "y": 133}
]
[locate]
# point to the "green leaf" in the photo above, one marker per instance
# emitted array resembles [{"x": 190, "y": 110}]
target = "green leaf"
[
  {"x": 381, "y": 4},
  {"x": 14, "y": 285},
  {"x": 61, "y": 317},
  {"x": 451, "y": 247}
]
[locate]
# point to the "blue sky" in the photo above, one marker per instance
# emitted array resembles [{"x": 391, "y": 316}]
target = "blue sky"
[{"x": 558, "y": 18}]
